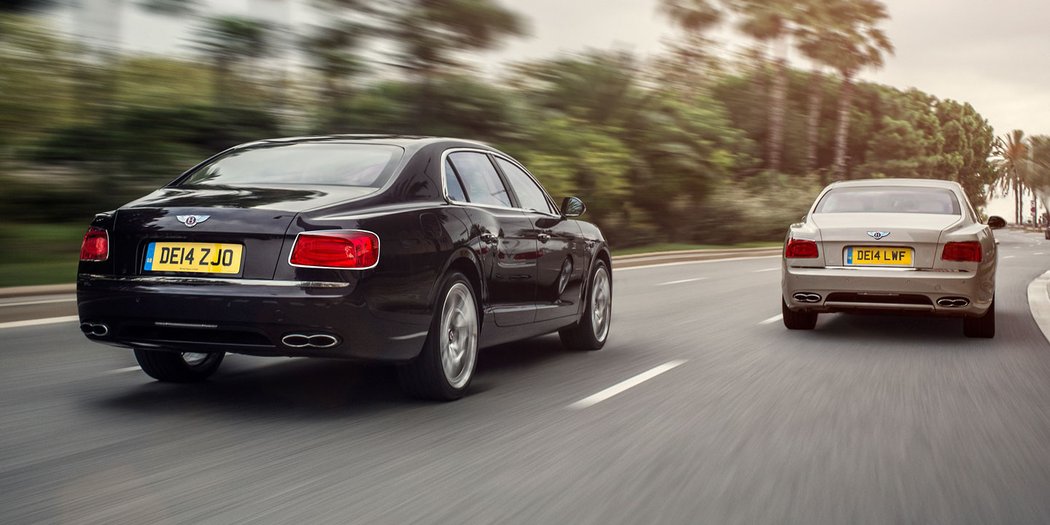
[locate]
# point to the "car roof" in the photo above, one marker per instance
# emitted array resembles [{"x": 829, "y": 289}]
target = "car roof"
[
  {"x": 406, "y": 141},
  {"x": 929, "y": 183}
]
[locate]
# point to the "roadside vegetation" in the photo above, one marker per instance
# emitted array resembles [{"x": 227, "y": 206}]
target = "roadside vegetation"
[{"x": 697, "y": 145}]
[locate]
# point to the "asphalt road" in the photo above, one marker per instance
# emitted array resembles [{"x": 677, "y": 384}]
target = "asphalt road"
[{"x": 865, "y": 420}]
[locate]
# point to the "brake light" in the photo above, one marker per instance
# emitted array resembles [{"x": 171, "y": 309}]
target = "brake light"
[
  {"x": 969, "y": 251},
  {"x": 95, "y": 247},
  {"x": 801, "y": 249},
  {"x": 346, "y": 249}
]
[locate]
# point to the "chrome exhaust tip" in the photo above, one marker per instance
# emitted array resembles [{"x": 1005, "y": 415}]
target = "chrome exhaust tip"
[
  {"x": 309, "y": 340},
  {"x": 95, "y": 329},
  {"x": 953, "y": 302},
  {"x": 806, "y": 297}
]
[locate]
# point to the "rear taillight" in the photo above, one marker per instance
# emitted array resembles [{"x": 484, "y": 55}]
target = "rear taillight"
[
  {"x": 801, "y": 249},
  {"x": 95, "y": 247},
  {"x": 346, "y": 249},
  {"x": 969, "y": 251}
]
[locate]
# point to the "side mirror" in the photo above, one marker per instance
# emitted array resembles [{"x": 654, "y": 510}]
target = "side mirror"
[
  {"x": 995, "y": 222},
  {"x": 572, "y": 207}
]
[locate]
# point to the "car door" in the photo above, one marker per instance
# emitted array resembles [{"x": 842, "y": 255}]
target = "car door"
[
  {"x": 510, "y": 262},
  {"x": 562, "y": 256}
]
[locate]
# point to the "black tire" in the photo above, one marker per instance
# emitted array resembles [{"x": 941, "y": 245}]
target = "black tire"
[
  {"x": 425, "y": 376},
  {"x": 798, "y": 320},
  {"x": 584, "y": 335},
  {"x": 982, "y": 327},
  {"x": 173, "y": 367}
]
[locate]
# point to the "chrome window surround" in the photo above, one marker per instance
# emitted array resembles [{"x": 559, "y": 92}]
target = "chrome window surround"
[{"x": 444, "y": 182}]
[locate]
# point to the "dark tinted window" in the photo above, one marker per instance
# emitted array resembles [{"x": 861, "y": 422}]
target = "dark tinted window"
[
  {"x": 367, "y": 165},
  {"x": 887, "y": 199},
  {"x": 483, "y": 184},
  {"x": 530, "y": 195},
  {"x": 455, "y": 189}
]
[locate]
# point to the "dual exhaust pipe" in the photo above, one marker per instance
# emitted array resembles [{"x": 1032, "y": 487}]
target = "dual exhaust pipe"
[
  {"x": 95, "y": 329},
  {"x": 806, "y": 297},
  {"x": 309, "y": 340},
  {"x": 953, "y": 302}
]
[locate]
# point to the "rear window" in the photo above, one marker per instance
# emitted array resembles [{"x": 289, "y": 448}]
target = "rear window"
[
  {"x": 364, "y": 165},
  {"x": 884, "y": 199}
]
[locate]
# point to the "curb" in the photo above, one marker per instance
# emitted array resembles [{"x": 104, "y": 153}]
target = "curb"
[
  {"x": 622, "y": 260},
  {"x": 31, "y": 291},
  {"x": 1039, "y": 303}
]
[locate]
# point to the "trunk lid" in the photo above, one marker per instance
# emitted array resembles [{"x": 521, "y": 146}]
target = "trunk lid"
[
  {"x": 919, "y": 231},
  {"x": 253, "y": 217}
]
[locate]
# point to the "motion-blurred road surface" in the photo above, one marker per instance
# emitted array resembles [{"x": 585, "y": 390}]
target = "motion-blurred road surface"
[{"x": 865, "y": 420}]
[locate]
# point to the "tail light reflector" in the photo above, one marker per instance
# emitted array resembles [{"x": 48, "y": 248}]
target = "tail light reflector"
[
  {"x": 969, "y": 251},
  {"x": 801, "y": 249},
  {"x": 95, "y": 247},
  {"x": 345, "y": 249}
]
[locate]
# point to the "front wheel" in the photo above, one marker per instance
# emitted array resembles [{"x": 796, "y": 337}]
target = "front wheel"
[
  {"x": 591, "y": 332},
  {"x": 443, "y": 370},
  {"x": 178, "y": 367},
  {"x": 982, "y": 327},
  {"x": 798, "y": 320}
]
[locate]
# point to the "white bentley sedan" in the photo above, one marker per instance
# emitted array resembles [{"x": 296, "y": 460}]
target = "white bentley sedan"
[{"x": 891, "y": 245}]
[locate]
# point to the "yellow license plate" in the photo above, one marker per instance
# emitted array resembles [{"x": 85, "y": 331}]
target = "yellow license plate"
[
  {"x": 878, "y": 256},
  {"x": 193, "y": 257}
]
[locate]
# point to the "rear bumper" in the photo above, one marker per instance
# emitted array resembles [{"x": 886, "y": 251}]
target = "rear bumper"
[
  {"x": 247, "y": 317},
  {"x": 891, "y": 290}
]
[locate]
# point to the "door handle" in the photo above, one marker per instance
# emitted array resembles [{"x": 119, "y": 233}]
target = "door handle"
[{"x": 544, "y": 237}]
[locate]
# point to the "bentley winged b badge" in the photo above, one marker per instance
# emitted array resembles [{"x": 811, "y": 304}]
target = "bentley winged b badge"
[
  {"x": 192, "y": 220},
  {"x": 878, "y": 236}
]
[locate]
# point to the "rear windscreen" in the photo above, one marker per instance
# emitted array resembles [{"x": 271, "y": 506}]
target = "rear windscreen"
[
  {"x": 887, "y": 199},
  {"x": 364, "y": 165}
]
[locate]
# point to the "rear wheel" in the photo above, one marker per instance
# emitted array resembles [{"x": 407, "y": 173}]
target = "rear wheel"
[
  {"x": 981, "y": 327},
  {"x": 444, "y": 368},
  {"x": 178, "y": 367},
  {"x": 798, "y": 320},
  {"x": 592, "y": 330}
]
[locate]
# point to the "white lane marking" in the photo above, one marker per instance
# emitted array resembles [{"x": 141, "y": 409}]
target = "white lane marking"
[
  {"x": 42, "y": 301},
  {"x": 624, "y": 385},
  {"x": 1009, "y": 257},
  {"x": 121, "y": 370},
  {"x": 773, "y": 319},
  {"x": 766, "y": 270},
  {"x": 1038, "y": 253},
  {"x": 695, "y": 262},
  {"x": 39, "y": 322},
  {"x": 409, "y": 336},
  {"x": 683, "y": 281}
]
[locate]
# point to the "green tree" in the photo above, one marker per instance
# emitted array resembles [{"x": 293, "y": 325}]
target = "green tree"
[
  {"x": 228, "y": 41},
  {"x": 690, "y": 54},
  {"x": 333, "y": 51}
]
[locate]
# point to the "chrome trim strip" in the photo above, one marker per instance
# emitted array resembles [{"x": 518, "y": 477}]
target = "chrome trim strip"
[
  {"x": 409, "y": 336},
  {"x": 878, "y": 306},
  {"x": 211, "y": 280},
  {"x": 185, "y": 325},
  {"x": 884, "y": 269}
]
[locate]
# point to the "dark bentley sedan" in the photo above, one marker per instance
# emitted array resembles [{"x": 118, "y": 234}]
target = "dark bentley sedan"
[{"x": 411, "y": 250}]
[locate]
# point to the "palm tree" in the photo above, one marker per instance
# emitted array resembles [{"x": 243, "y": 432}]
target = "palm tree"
[
  {"x": 850, "y": 41},
  {"x": 1012, "y": 152},
  {"x": 690, "y": 55},
  {"x": 228, "y": 41},
  {"x": 812, "y": 20},
  {"x": 771, "y": 22}
]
